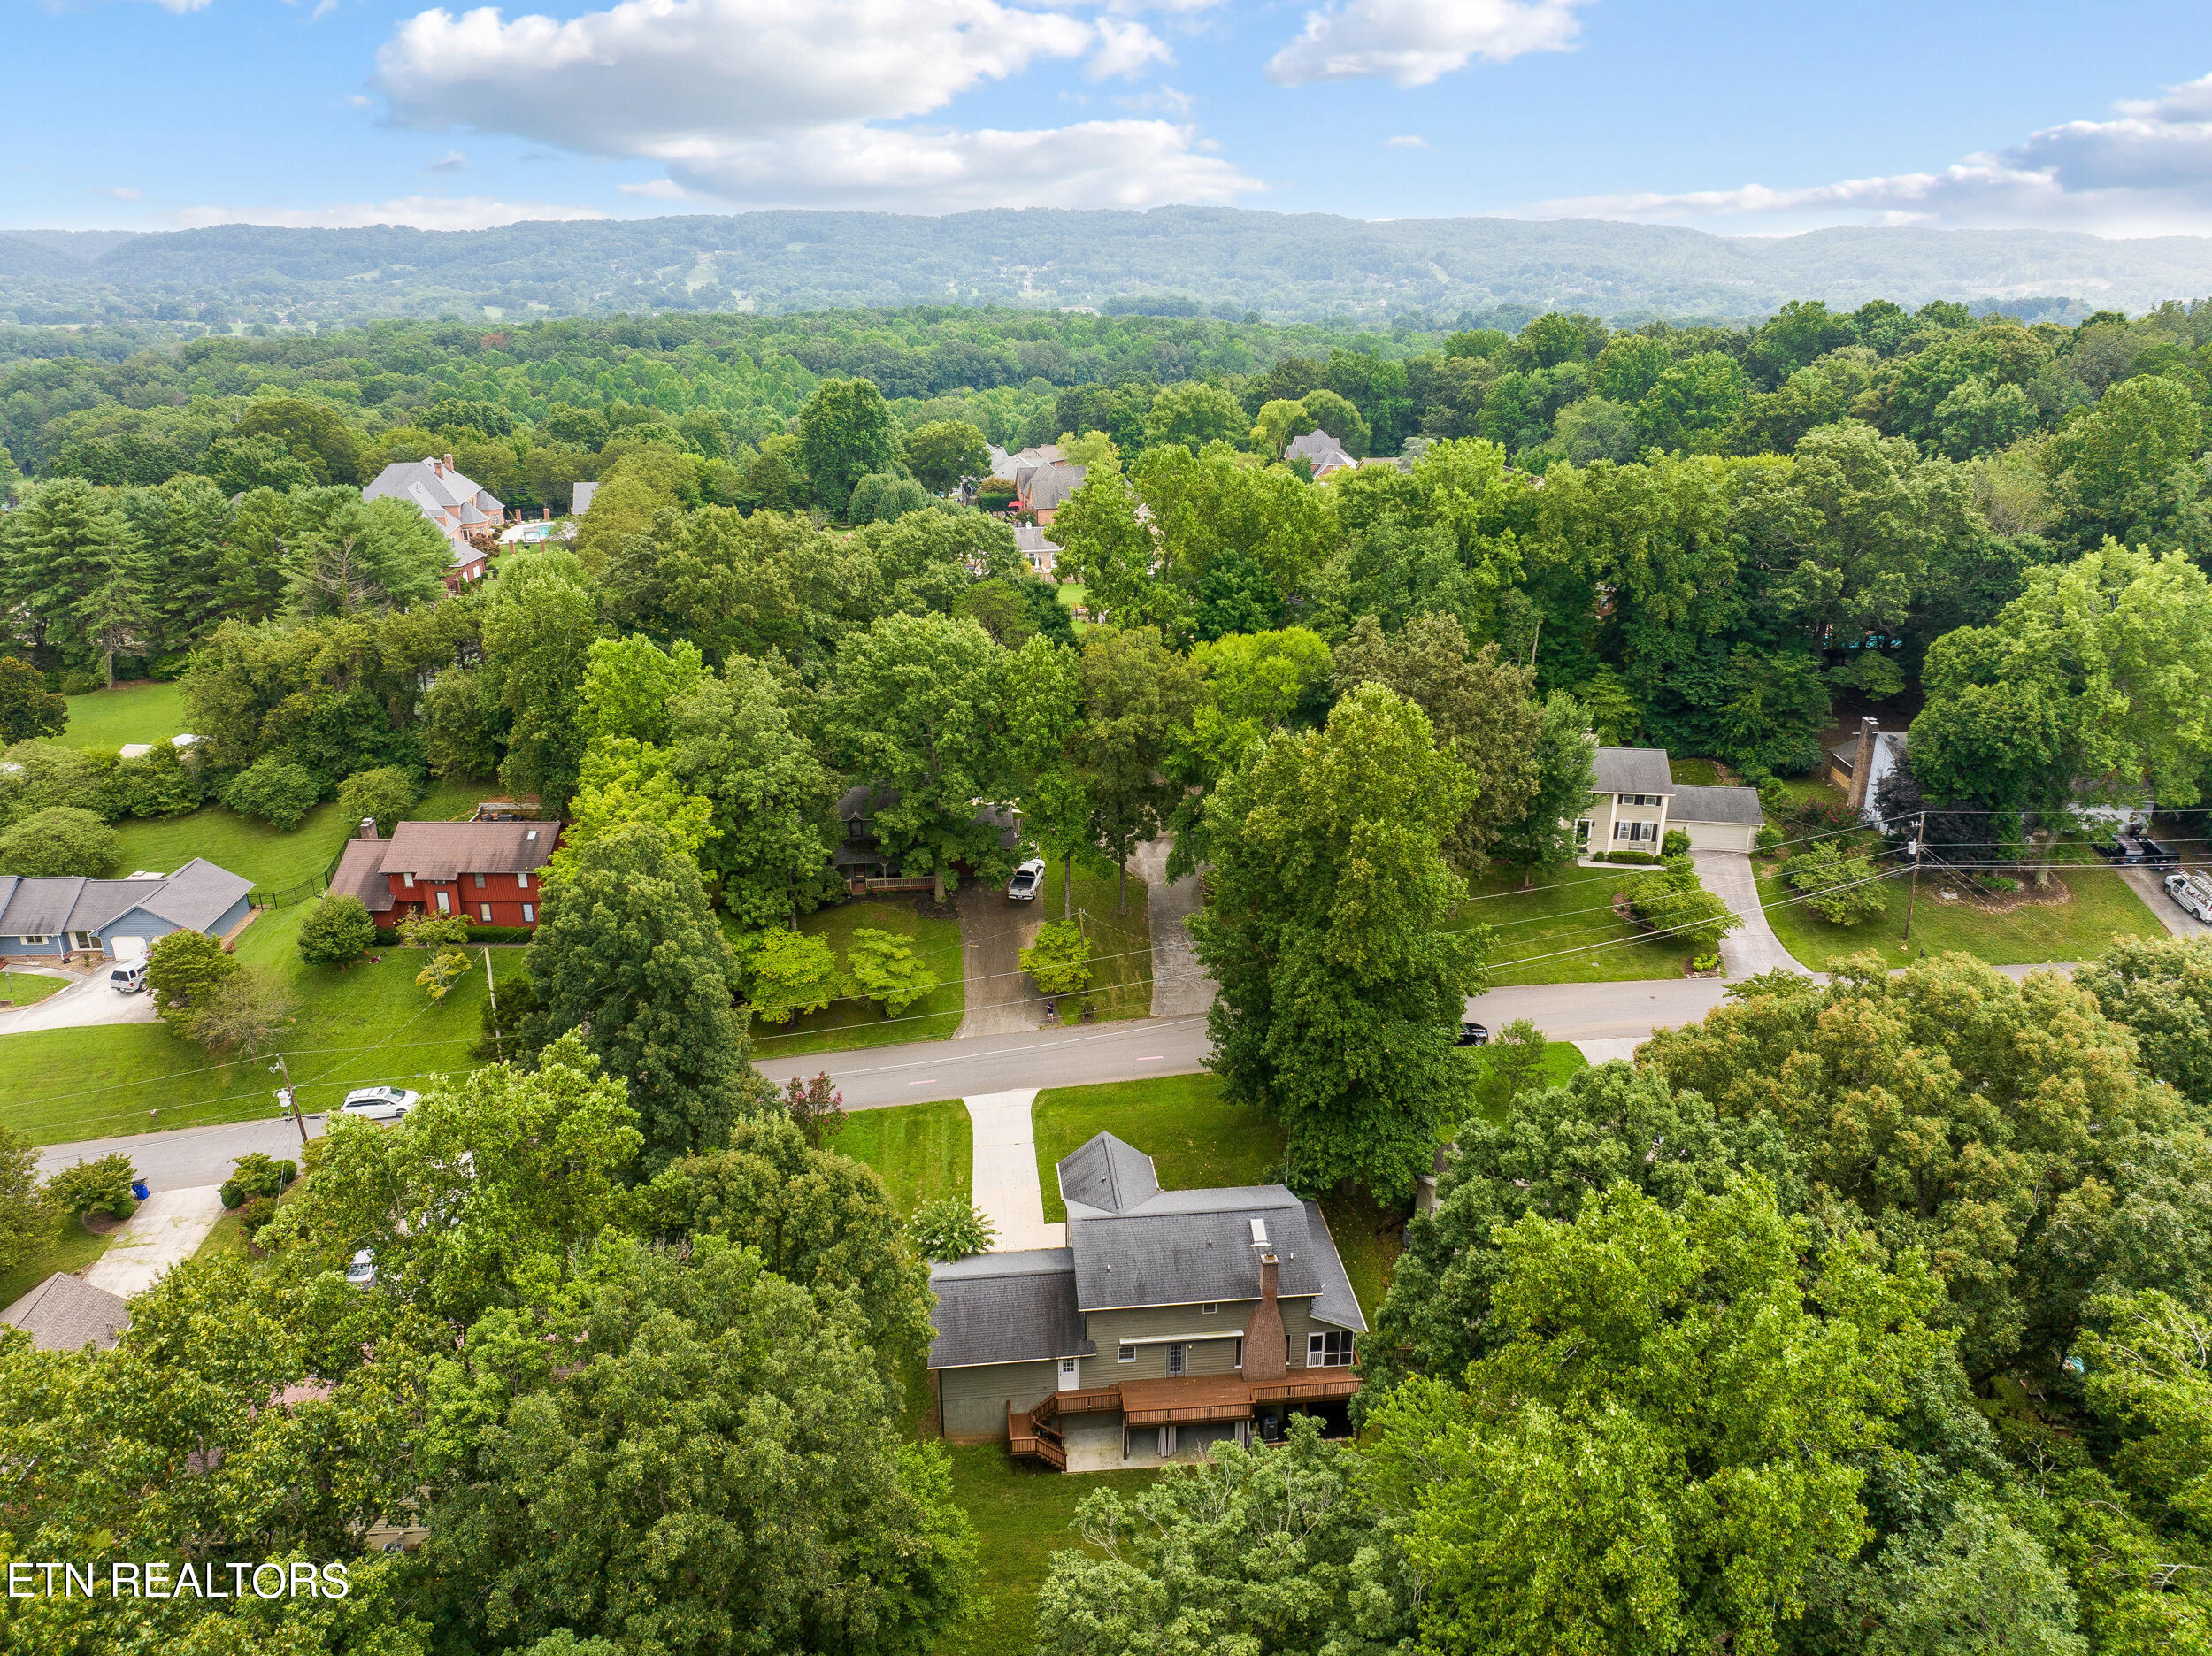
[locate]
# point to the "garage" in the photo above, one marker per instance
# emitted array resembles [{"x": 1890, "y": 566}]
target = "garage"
[{"x": 1717, "y": 819}]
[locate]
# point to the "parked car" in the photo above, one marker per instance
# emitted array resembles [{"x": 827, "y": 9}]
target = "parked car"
[
  {"x": 1472, "y": 1034},
  {"x": 362, "y": 1272},
  {"x": 2194, "y": 893},
  {"x": 1028, "y": 880},
  {"x": 2132, "y": 849},
  {"x": 379, "y": 1103},
  {"x": 128, "y": 976}
]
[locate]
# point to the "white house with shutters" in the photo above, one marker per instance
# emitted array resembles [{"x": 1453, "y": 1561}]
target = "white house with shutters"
[{"x": 1637, "y": 799}]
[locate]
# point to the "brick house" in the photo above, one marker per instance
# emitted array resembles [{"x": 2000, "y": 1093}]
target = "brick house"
[{"x": 489, "y": 873}]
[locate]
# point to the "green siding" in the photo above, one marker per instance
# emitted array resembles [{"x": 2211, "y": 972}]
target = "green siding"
[{"x": 975, "y": 1400}]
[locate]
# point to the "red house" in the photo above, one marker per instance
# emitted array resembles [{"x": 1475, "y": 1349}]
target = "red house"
[{"x": 486, "y": 872}]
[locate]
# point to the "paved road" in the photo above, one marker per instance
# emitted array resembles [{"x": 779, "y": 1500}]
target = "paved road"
[
  {"x": 1179, "y": 984},
  {"x": 2150, "y": 885},
  {"x": 186, "y": 1156},
  {"x": 1752, "y": 948},
  {"x": 86, "y": 1002}
]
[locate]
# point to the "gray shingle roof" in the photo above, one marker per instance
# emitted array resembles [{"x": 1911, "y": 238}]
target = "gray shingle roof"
[
  {"x": 1108, "y": 1176},
  {"x": 443, "y": 851},
  {"x": 1005, "y": 1307},
  {"x": 1050, "y": 484},
  {"x": 65, "y": 1312},
  {"x": 1336, "y": 1302},
  {"x": 39, "y": 905},
  {"x": 1189, "y": 1247},
  {"x": 1715, "y": 805},
  {"x": 1633, "y": 770},
  {"x": 195, "y": 896}
]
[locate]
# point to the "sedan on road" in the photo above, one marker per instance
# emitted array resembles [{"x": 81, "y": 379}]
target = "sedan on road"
[
  {"x": 1028, "y": 880},
  {"x": 379, "y": 1103}
]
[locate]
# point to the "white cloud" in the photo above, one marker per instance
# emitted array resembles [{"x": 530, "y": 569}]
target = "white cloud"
[
  {"x": 792, "y": 102},
  {"x": 451, "y": 161},
  {"x": 417, "y": 212},
  {"x": 656, "y": 190},
  {"x": 1416, "y": 41},
  {"x": 1406, "y": 140},
  {"x": 124, "y": 192},
  {"x": 182, "y": 7},
  {"x": 2146, "y": 173},
  {"x": 359, "y": 100}
]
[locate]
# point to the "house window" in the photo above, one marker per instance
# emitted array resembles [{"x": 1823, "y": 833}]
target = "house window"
[
  {"x": 1329, "y": 1350},
  {"x": 522, "y": 882},
  {"x": 479, "y": 882},
  {"x": 1207, "y": 1310},
  {"x": 37, "y": 939},
  {"x": 445, "y": 903},
  {"x": 407, "y": 880},
  {"x": 484, "y": 910},
  {"x": 1174, "y": 1360},
  {"x": 84, "y": 939},
  {"x": 1125, "y": 1353},
  {"x": 1236, "y": 1356},
  {"x": 529, "y": 914},
  {"x": 1634, "y": 831},
  {"x": 1582, "y": 831}
]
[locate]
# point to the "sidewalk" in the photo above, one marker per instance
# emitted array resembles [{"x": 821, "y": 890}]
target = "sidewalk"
[{"x": 1004, "y": 1182}]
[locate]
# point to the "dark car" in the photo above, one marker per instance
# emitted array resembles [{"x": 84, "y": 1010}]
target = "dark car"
[{"x": 1472, "y": 1034}]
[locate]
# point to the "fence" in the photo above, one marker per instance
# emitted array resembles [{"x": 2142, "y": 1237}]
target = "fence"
[
  {"x": 285, "y": 896},
  {"x": 865, "y": 887}
]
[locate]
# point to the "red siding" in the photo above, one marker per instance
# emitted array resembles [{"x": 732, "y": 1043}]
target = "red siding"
[{"x": 500, "y": 893}]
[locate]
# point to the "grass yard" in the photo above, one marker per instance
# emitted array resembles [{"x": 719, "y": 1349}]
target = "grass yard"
[
  {"x": 1695, "y": 772},
  {"x": 2101, "y": 907},
  {"x": 1564, "y": 931},
  {"x": 1021, "y": 1515},
  {"x": 367, "y": 1023},
  {"x": 1121, "y": 943},
  {"x": 250, "y": 847},
  {"x": 140, "y": 712},
  {"x": 854, "y": 1022},
  {"x": 923, "y": 1151},
  {"x": 1561, "y": 1060},
  {"x": 21, "y": 988},
  {"x": 73, "y": 1248}
]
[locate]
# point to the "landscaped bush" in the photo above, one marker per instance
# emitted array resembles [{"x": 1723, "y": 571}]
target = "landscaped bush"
[
  {"x": 386, "y": 793},
  {"x": 254, "y": 1218},
  {"x": 101, "y": 1185},
  {"x": 338, "y": 929},
  {"x": 280, "y": 793},
  {"x": 948, "y": 1230},
  {"x": 1640, "y": 859},
  {"x": 1838, "y": 887},
  {"x": 61, "y": 839},
  {"x": 255, "y": 1173},
  {"x": 434, "y": 931},
  {"x": 1060, "y": 960},
  {"x": 1769, "y": 837},
  {"x": 184, "y": 972},
  {"x": 1676, "y": 844},
  {"x": 1819, "y": 816},
  {"x": 1671, "y": 901}
]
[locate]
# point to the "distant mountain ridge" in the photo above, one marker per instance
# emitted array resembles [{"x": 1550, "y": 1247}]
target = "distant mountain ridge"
[{"x": 1287, "y": 267}]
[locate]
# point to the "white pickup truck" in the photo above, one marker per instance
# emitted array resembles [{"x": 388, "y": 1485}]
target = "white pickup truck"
[{"x": 2192, "y": 890}]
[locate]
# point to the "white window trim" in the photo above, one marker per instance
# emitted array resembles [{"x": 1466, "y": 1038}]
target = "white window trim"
[
  {"x": 484, "y": 914},
  {"x": 1125, "y": 1350},
  {"x": 1317, "y": 1350},
  {"x": 445, "y": 904},
  {"x": 408, "y": 880},
  {"x": 42, "y": 939},
  {"x": 529, "y": 914}
]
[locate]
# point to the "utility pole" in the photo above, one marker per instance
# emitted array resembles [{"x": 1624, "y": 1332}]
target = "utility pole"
[
  {"x": 286, "y": 1100},
  {"x": 491, "y": 989},
  {"x": 1919, "y": 837}
]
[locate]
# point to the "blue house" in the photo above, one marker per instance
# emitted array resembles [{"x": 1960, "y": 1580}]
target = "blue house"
[{"x": 66, "y": 913}]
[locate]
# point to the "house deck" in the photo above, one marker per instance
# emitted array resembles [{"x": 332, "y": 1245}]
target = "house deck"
[{"x": 1189, "y": 1401}]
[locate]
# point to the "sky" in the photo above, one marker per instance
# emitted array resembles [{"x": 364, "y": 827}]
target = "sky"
[{"x": 1740, "y": 118}]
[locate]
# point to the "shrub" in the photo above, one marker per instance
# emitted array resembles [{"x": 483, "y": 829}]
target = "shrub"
[
  {"x": 1672, "y": 901},
  {"x": 509, "y": 1014},
  {"x": 1060, "y": 960},
  {"x": 1769, "y": 837},
  {"x": 254, "y": 1218},
  {"x": 61, "y": 839},
  {"x": 434, "y": 931},
  {"x": 184, "y": 971},
  {"x": 792, "y": 973},
  {"x": 1840, "y": 889},
  {"x": 1676, "y": 844},
  {"x": 280, "y": 793},
  {"x": 97, "y": 1186},
  {"x": 1642, "y": 859},
  {"x": 816, "y": 1107},
  {"x": 160, "y": 782},
  {"x": 257, "y": 1175},
  {"x": 386, "y": 794},
  {"x": 1820, "y": 816},
  {"x": 882, "y": 967},
  {"x": 949, "y": 1229},
  {"x": 337, "y": 929},
  {"x": 1704, "y": 962}
]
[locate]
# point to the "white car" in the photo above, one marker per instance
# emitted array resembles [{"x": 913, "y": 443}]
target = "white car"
[
  {"x": 362, "y": 1272},
  {"x": 379, "y": 1103},
  {"x": 1028, "y": 880}
]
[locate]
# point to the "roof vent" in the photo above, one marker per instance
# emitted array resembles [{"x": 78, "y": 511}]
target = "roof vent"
[
  {"x": 1259, "y": 1233},
  {"x": 533, "y": 834}
]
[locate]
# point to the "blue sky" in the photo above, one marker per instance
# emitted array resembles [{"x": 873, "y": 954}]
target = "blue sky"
[{"x": 1735, "y": 118}]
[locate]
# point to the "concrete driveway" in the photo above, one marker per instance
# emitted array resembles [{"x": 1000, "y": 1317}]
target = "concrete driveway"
[
  {"x": 1179, "y": 984},
  {"x": 1752, "y": 948},
  {"x": 85, "y": 1003},
  {"x": 2150, "y": 885},
  {"x": 169, "y": 1226}
]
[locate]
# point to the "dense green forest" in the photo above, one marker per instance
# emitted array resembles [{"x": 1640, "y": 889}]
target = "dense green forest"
[
  {"x": 1868, "y": 1317},
  {"x": 1187, "y": 261}
]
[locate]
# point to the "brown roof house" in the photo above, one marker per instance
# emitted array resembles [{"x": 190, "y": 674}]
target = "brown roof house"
[
  {"x": 488, "y": 872},
  {"x": 65, "y": 1313}
]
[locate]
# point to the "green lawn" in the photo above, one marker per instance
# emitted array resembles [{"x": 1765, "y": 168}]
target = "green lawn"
[
  {"x": 854, "y": 1022},
  {"x": 1564, "y": 931},
  {"x": 1121, "y": 940},
  {"x": 2102, "y": 908},
  {"x": 923, "y": 1151},
  {"x": 1562, "y": 1058},
  {"x": 73, "y": 1249},
  {"x": 140, "y": 712},
  {"x": 1694, "y": 773},
  {"x": 1194, "y": 1139},
  {"x": 251, "y": 849},
  {"x": 366, "y": 1022},
  {"x": 1021, "y": 1513},
  {"x": 21, "y": 988}
]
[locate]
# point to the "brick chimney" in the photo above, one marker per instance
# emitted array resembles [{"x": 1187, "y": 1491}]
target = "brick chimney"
[
  {"x": 1862, "y": 762},
  {"x": 368, "y": 828},
  {"x": 1265, "y": 1349},
  {"x": 448, "y": 463}
]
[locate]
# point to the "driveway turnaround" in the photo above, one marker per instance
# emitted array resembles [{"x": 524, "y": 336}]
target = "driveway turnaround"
[
  {"x": 994, "y": 931},
  {"x": 1005, "y": 1183},
  {"x": 87, "y": 1002},
  {"x": 169, "y": 1226},
  {"x": 1179, "y": 984},
  {"x": 2150, "y": 885},
  {"x": 1752, "y": 948}
]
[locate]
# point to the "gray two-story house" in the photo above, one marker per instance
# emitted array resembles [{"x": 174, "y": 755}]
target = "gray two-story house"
[{"x": 1169, "y": 1319}]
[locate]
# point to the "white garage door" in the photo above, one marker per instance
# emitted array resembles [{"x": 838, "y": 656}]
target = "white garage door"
[
  {"x": 126, "y": 947},
  {"x": 1719, "y": 836}
]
